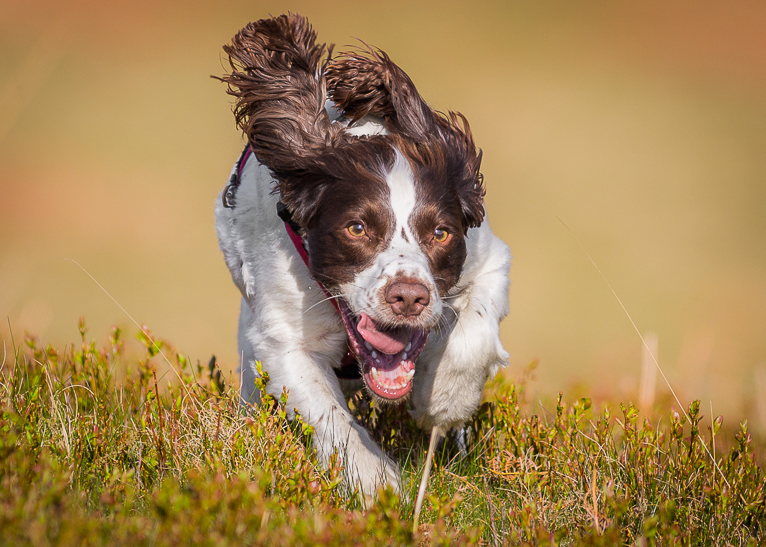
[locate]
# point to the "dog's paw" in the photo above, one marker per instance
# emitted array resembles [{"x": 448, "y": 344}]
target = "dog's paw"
[{"x": 366, "y": 467}]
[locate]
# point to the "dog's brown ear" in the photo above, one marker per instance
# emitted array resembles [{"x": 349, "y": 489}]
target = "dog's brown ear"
[
  {"x": 277, "y": 77},
  {"x": 470, "y": 185},
  {"x": 367, "y": 82}
]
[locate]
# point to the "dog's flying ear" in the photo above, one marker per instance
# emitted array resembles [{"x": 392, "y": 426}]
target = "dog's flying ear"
[
  {"x": 277, "y": 77},
  {"x": 470, "y": 186},
  {"x": 369, "y": 83}
]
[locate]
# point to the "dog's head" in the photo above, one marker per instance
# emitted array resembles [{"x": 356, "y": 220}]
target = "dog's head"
[{"x": 383, "y": 213}]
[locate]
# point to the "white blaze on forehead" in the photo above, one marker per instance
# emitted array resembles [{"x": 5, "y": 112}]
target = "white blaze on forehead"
[{"x": 401, "y": 185}]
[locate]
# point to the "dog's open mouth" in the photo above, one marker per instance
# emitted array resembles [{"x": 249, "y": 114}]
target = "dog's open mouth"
[{"x": 387, "y": 355}]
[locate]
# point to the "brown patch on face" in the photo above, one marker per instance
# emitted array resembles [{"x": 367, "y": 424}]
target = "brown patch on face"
[
  {"x": 358, "y": 194},
  {"x": 438, "y": 220},
  {"x": 445, "y": 259}
]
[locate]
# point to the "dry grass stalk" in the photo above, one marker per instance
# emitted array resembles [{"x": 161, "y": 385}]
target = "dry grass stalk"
[{"x": 648, "y": 382}]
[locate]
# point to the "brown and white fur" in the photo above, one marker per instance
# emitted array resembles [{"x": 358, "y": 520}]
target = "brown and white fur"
[{"x": 388, "y": 198}]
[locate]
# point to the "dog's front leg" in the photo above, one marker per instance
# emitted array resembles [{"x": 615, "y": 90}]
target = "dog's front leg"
[{"x": 314, "y": 392}]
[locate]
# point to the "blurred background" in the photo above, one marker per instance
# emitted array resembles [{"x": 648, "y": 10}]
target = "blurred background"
[{"x": 642, "y": 126}]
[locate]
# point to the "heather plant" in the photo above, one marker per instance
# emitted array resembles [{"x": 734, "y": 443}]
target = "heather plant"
[
  {"x": 598, "y": 480},
  {"x": 99, "y": 446}
]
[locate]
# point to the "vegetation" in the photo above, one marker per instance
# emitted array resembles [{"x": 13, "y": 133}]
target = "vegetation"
[{"x": 90, "y": 457}]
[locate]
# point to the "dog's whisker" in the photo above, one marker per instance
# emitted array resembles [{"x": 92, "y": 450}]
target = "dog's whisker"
[
  {"x": 443, "y": 323},
  {"x": 335, "y": 279},
  {"x": 448, "y": 305},
  {"x": 331, "y": 297}
]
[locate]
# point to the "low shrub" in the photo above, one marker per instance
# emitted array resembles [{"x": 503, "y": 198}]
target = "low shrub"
[{"x": 96, "y": 449}]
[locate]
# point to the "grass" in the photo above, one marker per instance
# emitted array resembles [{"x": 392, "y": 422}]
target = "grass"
[{"x": 94, "y": 450}]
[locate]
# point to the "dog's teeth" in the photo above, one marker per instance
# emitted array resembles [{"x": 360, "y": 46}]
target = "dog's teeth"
[
  {"x": 410, "y": 375},
  {"x": 407, "y": 347},
  {"x": 404, "y": 356},
  {"x": 367, "y": 345},
  {"x": 374, "y": 355},
  {"x": 374, "y": 373}
]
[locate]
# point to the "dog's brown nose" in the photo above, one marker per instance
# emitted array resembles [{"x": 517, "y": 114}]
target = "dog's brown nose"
[{"x": 407, "y": 299}]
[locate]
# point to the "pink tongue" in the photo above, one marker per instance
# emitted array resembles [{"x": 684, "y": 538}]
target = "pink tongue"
[{"x": 389, "y": 342}]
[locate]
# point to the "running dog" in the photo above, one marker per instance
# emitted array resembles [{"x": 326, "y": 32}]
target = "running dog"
[{"x": 354, "y": 227}]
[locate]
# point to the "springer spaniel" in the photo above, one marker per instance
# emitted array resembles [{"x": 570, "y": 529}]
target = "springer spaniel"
[{"x": 354, "y": 227}]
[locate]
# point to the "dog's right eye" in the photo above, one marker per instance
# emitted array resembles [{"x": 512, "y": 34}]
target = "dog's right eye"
[{"x": 357, "y": 229}]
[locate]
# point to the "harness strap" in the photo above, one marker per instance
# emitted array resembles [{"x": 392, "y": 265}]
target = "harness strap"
[{"x": 349, "y": 369}]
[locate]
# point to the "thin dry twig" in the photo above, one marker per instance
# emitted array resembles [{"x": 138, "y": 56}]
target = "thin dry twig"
[
  {"x": 595, "y": 502},
  {"x": 646, "y": 346},
  {"x": 156, "y": 346},
  {"x": 491, "y": 510},
  {"x": 435, "y": 433}
]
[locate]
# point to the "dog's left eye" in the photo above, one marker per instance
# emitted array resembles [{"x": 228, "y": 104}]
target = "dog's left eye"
[
  {"x": 441, "y": 235},
  {"x": 357, "y": 229}
]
